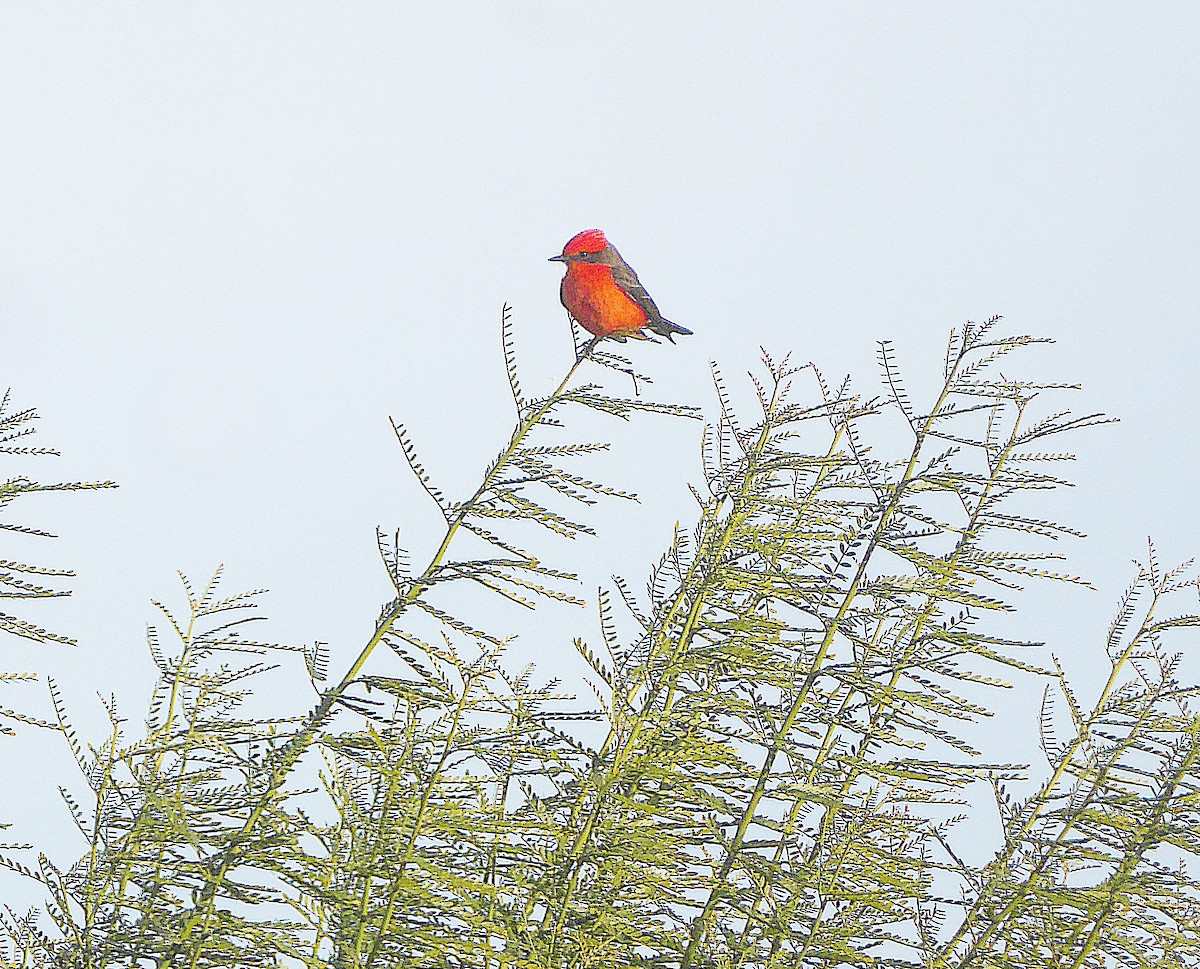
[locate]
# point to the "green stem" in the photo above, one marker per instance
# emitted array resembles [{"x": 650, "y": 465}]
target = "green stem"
[
  {"x": 599, "y": 780},
  {"x": 1148, "y": 839},
  {"x": 876, "y": 720},
  {"x": 398, "y": 878},
  {"x": 364, "y": 905},
  {"x": 197, "y": 922},
  {"x": 719, "y": 888},
  {"x": 161, "y": 733},
  {"x": 1015, "y": 840}
]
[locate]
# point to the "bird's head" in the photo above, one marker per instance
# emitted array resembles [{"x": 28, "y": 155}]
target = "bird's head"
[{"x": 588, "y": 246}]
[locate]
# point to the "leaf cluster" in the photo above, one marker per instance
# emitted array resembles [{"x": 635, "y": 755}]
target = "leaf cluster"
[
  {"x": 21, "y": 580},
  {"x": 775, "y": 764}
]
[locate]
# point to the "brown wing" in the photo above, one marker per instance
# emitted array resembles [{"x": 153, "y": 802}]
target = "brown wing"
[{"x": 624, "y": 276}]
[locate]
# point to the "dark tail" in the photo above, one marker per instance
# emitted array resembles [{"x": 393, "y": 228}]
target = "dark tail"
[{"x": 664, "y": 327}]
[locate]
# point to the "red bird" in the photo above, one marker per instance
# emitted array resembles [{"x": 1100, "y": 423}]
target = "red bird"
[{"x": 603, "y": 294}]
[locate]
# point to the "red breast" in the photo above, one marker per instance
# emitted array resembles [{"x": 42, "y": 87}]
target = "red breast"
[{"x": 599, "y": 305}]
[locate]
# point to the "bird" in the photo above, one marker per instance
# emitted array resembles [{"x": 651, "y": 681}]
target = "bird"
[{"x": 603, "y": 294}]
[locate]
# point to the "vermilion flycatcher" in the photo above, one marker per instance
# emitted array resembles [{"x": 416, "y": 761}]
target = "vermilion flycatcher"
[{"x": 603, "y": 294}]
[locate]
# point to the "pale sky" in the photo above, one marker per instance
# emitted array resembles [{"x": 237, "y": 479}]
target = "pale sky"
[{"x": 235, "y": 238}]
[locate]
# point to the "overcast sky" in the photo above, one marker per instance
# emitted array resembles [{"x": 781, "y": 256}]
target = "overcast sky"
[{"x": 235, "y": 238}]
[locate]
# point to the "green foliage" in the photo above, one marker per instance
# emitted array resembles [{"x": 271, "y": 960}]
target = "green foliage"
[
  {"x": 160, "y": 804},
  {"x": 1090, "y": 873},
  {"x": 778, "y": 760},
  {"x": 20, "y": 580}
]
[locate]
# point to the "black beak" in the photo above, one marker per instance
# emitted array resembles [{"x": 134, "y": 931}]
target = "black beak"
[{"x": 557, "y": 259}]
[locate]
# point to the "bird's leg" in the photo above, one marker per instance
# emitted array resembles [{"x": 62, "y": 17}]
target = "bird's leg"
[{"x": 585, "y": 351}]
